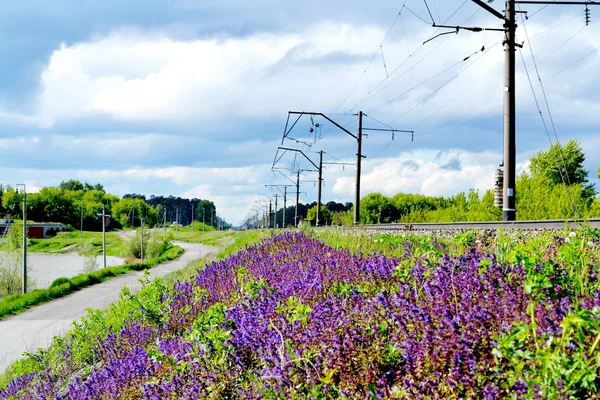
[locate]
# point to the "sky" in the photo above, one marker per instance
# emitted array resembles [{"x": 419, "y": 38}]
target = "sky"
[{"x": 191, "y": 97}]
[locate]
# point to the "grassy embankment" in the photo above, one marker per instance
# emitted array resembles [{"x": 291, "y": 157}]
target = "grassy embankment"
[{"x": 72, "y": 242}]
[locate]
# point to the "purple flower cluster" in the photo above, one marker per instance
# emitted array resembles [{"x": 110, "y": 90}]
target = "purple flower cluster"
[{"x": 292, "y": 317}]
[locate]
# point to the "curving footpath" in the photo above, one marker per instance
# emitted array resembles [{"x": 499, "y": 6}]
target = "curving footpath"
[{"x": 37, "y": 326}]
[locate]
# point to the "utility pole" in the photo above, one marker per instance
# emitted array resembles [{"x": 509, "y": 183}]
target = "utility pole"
[
  {"x": 24, "y": 239},
  {"x": 297, "y": 199},
  {"x": 165, "y": 224},
  {"x": 284, "y": 205},
  {"x": 359, "y": 158},
  {"x": 177, "y": 223},
  {"x": 24, "y": 283},
  {"x": 510, "y": 155},
  {"x": 104, "y": 235},
  {"x": 142, "y": 237},
  {"x": 270, "y": 212},
  {"x": 319, "y": 188},
  {"x": 192, "y": 216},
  {"x": 81, "y": 220},
  {"x": 318, "y": 169},
  {"x": 275, "y": 215}
]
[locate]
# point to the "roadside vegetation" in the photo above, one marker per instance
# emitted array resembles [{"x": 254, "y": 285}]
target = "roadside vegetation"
[{"x": 475, "y": 314}]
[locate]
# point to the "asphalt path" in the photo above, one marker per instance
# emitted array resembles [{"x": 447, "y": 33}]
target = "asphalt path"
[{"x": 36, "y": 327}]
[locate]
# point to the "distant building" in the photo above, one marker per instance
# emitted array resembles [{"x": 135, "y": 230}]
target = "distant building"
[{"x": 35, "y": 230}]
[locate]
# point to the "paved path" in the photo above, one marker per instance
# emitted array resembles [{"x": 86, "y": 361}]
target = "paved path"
[{"x": 36, "y": 327}]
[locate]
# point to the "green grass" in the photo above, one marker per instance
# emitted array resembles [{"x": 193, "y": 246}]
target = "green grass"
[
  {"x": 65, "y": 242},
  {"x": 61, "y": 287}
]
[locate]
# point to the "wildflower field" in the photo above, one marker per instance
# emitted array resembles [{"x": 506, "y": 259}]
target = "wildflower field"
[{"x": 346, "y": 315}]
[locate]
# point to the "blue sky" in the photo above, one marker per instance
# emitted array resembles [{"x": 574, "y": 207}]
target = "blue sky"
[{"x": 190, "y": 97}]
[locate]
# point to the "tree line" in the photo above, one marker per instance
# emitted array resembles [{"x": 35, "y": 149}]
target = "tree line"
[{"x": 73, "y": 200}]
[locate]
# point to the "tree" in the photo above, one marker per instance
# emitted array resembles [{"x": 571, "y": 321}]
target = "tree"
[
  {"x": 205, "y": 210},
  {"x": 324, "y": 215},
  {"x": 12, "y": 201},
  {"x": 562, "y": 165},
  {"x": 377, "y": 208},
  {"x": 128, "y": 212},
  {"x": 71, "y": 184}
]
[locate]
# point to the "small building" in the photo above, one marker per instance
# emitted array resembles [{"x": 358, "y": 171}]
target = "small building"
[{"x": 35, "y": 230}]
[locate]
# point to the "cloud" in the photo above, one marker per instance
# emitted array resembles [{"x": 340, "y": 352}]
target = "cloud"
[
  {"x": 426, "y": 172},
  {"x": 147, "y": 78}
]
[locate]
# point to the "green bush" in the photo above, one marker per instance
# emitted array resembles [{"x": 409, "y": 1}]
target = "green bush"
[{"x": 59, "y": 281}]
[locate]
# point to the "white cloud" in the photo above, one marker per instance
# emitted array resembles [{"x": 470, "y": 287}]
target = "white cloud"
[{"x": 428, "y": 172}]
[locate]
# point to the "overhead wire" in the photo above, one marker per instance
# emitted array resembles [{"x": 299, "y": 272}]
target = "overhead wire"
[
  {"x": 446, "y": 83},
  {"x": 372, "y": 58},
  {"x": 499, "y": 93},
  {"x": 376, "y": 92},
  {"x": 562, "y": 160}
]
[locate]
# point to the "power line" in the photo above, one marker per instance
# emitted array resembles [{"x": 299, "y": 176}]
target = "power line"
[
  {"x": 481, "y": 104},
  {"x": 372, "y": 58},
  {"x": 447, "y": 82},
  {"x": 376, "y": 92}
]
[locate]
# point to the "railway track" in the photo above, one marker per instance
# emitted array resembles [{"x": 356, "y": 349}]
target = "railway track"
[{"x": 530, "y": 225}]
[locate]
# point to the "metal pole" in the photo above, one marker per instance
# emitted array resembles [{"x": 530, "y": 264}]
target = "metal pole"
[
  {"x": 81, "y": 221},
  {"x": 319, "y": 188},
  {"x": 142, "y": 236},
  {"x": 297, "y": 198},
  {"x": 177, "y": 223},
  {"x": 192, "y": 216},
  {"x": 270, "y": 213},
  {"x": 104, "y": 235},
  {"x": 358, "y": 167},
  {"x": 165, "y": 224},
  {"x": 203, "y": 223},
  {"x": 24, "y": 239},
  {"x": 509, "y": 211},
  {"x": 284, "y": 205},
  {"x": 275, "y": 216}
]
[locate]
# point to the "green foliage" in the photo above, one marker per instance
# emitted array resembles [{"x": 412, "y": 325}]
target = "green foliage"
[
  {"x": 128, "y": 211},
  {"x": 154, "y": 244},
  {"x": 205, "y": 210},
  {"x": 568, "y": 364},
  {"x": 11, "y": 262},
  {"x": 376, "y": 208},
  {"x": 324, "y": 215},
  {"x": 560, "y": 164},
  {"x": 538, "y": 200},
  {"x": 12, "y": 201}
]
